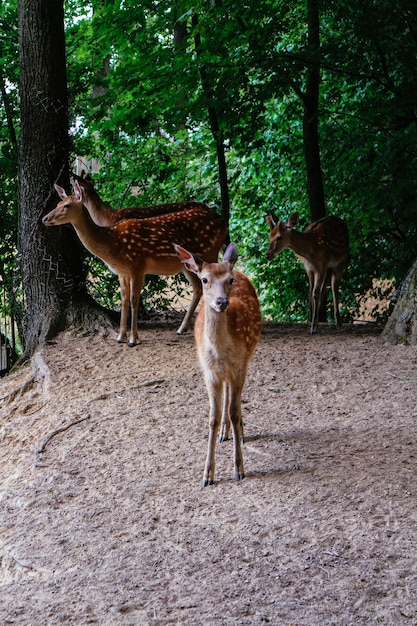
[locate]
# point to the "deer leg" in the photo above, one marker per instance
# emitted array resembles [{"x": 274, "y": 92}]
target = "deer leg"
[
  {"x": 135, "y": 289},
  {"x": 214, "y": 389},
  {"x": 197, "y": 291},
  {"x": 125, "y": 297},
  {"x": 310, "y": 291},
  {"x": 236, "y": 420},
  {"x": 225, "y": 425},
  {"x": 335, "y": 280},
  {"x": 319, "y": 282}
]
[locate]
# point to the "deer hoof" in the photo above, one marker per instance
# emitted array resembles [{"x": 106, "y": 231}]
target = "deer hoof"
[
  {"x": 222, "y": 439},
  {"x": 131, "y": 344},
  {"x": 239, "y": 476},
  {"x": 207, "y": 482}
]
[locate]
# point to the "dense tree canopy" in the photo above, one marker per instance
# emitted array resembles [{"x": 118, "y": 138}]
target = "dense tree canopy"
[{"x": 158, "y": 90}]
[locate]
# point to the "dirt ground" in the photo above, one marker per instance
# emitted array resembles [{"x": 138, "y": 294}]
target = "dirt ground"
[{"x": 103, "y": 519}]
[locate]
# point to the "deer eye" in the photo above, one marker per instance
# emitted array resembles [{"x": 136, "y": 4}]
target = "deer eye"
[
  {"x": 204, "y": 280},
  {"x": 232, "y": 280}
]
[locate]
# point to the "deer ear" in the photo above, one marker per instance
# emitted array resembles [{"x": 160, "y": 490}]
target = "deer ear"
[
  {"x": 60, "y": 191},
  {"x": 191, "y": 262},
  {"x": 293, "y": 220},
  {"x": 78, "y": 192},
  {"x": 231, "y": 254},
  {"x": 270, "y": 222}
]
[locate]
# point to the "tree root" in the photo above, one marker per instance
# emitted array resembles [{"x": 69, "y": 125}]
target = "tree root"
[
  {"x": 17, "y": 393},
  {"x": 40, "y": 374}
]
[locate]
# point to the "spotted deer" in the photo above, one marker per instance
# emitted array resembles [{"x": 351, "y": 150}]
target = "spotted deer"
[
  {"x": 226, "y": 332},
  {"x": 104, "y": 215},
  {"x": 322, "y": 248},
  {"x": 132, "y": 248}
]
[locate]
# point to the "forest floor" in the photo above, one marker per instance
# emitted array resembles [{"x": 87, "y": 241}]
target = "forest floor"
[{"x": 103, "y": 519}]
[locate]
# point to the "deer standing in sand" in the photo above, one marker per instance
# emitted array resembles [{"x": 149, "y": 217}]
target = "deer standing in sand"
[
  {"x": 132, "y": 248},
  {"x": 226, "y": 331},
  {"x": 322, "y": 248}
]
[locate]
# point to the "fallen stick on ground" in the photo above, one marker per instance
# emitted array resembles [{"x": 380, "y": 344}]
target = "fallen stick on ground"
[{"x": 52, "y": 434}]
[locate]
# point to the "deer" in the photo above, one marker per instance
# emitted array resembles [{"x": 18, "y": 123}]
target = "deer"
[
  {"x": 104, "y": 215},
  {"x": 322, "y": 248},
  {"x": 132, "y": 248},
  {"x": 226, "y": 332}
]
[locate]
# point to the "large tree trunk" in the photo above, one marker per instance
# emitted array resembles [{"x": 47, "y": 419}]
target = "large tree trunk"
[
  {"x": 402, "y": 324},
  {"x": 311, "y": 138},
  {"x": 52, "y": 272},
  {"x": 215, "y": 130}
]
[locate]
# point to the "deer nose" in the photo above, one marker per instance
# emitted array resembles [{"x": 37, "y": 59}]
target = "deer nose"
[{"x": 222, "y": 303}]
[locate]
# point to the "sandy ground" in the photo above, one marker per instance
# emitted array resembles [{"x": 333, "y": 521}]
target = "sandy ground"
[{"x": 103, "y": 519}]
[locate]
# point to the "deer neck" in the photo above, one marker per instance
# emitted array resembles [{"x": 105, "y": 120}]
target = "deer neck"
[
  {"x": 95, "y": 238},
  {"x": 101, "y": 213},
  {"x": 216, "y": 328},
  {"x": 302, "y": 244}
]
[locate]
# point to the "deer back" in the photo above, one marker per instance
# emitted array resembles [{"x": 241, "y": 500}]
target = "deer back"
[
  {"x": 149, "y": 241},
  {"x": 330, "y": 236},
  {"x": 104, "y": 215}
]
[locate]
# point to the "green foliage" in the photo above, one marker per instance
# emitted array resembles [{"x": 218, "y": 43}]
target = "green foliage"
[{"x": 150, "y": 130}]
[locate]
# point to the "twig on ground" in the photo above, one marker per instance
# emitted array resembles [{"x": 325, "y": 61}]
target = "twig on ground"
[
  {"x": 107, "y": 394},
  {"x": 330, "y": 553},
  {"x": 101, "y": 396},
  {"x": 48, "y": 438},
  {"x": 324, "y": 570},
  {"x": 405, "y": 380}
]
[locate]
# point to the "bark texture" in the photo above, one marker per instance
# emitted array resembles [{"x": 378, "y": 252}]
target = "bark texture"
[
  {"x": 52, "y": 272},
  {"x": 402, "y": 324}
]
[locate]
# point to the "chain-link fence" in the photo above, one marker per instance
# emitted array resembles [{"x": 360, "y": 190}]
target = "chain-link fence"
[{"x": 8, "y": 354}]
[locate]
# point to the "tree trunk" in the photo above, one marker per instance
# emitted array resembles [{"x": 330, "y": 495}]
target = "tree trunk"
[
  {"x": 52, "y": 272},
  {"x": 311, "y": 137},
  {"x": 311, "y": 116},
  {"x": 402, "y": 324},
  {"x": 215, "y": 130}
]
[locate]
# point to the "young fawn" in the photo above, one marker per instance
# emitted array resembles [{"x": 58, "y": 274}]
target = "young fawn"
[
  {"x": 226, "y": 331},
  {"x": 132, "y": 248},
  {"x": 103, "y": 215},
  {"x": 322, "y": 248}
]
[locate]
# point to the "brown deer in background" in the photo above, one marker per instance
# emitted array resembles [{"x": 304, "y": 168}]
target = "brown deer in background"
[
  {"x": 226, "y": 331},
  {"x": 322, "y": 248},
  {"x": 132, "y": 248}
]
